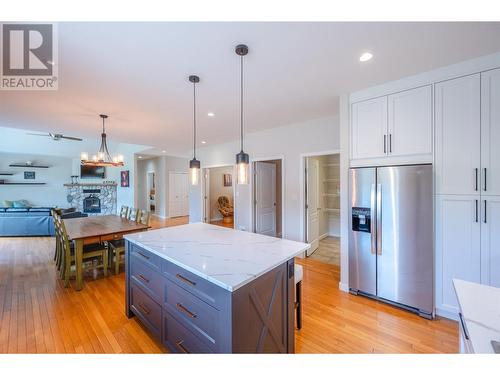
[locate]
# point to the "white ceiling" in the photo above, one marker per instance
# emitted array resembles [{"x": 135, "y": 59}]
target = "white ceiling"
[{"x": 137, "y": 73}]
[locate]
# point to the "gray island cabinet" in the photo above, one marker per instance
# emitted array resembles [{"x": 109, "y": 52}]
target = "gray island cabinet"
[{"x": 200, "y": 288}]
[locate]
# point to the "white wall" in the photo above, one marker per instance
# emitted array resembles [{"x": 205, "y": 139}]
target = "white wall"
[
  {"x": 288, "y": 141},
  {"x": 218, "y": 189},
  {"x": 49, "y": 195}
]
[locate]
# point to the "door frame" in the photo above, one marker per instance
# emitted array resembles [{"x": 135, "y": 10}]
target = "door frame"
[
  {"x": 303, "y": 181},
  {"x": 203, "y": 206},
  {"x": 148, "y": 189},
  {"x": 252, "y": 190}
]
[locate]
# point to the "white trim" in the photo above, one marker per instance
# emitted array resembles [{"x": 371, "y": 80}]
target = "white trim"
[
  {"x": 252, "y": 187},
  {"x": 324, "y": 235},
  {"x": 447, "y": 314},
  {"x": 343, "y": 287},
  {"x": 302, "y": 185}
]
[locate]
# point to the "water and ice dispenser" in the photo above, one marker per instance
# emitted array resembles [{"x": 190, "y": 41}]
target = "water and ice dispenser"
[{"x": 361, "y": 218}]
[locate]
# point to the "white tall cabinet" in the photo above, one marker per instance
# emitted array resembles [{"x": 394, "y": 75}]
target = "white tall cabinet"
[{"x": 467, "y": 178}]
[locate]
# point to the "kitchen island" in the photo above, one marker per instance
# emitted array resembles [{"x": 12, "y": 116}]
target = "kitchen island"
[{"x": 201, "y": 288}]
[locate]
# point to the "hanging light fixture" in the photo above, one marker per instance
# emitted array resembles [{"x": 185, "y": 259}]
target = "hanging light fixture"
[
  {"x": 242, "y": 158},
  {"x": 194, "y": 165},
  {"x": 103, "y": 158}
]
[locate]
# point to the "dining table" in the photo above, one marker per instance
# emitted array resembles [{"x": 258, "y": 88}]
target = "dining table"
[{"x": 96, "y": 229}]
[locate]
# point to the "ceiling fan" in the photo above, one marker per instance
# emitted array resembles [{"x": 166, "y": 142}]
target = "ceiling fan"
[{"x": 56, "y": 136}]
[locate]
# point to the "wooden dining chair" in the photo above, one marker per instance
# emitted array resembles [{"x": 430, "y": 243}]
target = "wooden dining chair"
[
  {"x": 91, "y": 253},
  {"x": 134, "y": 214},
  {"x": 124, "y": 212},
  {"x": 57, "y": 253}
]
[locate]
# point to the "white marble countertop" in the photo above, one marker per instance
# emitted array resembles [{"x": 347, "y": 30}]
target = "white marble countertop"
[
  {"x": 480, "y": 307},
  {"x": 226, "y": 257}
]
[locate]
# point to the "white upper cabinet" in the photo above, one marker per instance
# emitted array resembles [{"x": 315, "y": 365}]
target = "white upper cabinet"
[
  {"x": 458, "y": 135},
  {"x": 490, "y": 132},
  {"x": 410, "y": 122},
  {"x": 369, "y": 128}
]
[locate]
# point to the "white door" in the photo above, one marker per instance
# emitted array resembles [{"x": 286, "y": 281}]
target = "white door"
[
  {"x": 410, "y": 122},
  {"x": 206, "y": 195},
  {"x": 369, "y": 128},
  {"x": 178, "y": 194},
  {"x": 458, "y": 246},
  {"x": 312, "y": 208},
  {"x": 490, "y": 132},
  {"x": 265, "y": 198},
  {"x": 490, "y": 240},
  {"x": 458, "y": 140}
]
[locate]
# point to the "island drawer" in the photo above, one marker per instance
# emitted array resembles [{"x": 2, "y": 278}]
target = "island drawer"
[
  {"x": 151, "y": 280},
  {"x": 145, "y": 308},
  {"x": 145, "y": 256},
  {"x": 196, "y": 314},
  {"x": 201, "y": 288},
  {"x": 180, "y": 339}
]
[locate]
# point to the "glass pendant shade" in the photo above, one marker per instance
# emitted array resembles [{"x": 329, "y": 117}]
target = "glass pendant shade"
[
  {"x": 242, "y": 168},
  {"x": 194, "y": 171}
]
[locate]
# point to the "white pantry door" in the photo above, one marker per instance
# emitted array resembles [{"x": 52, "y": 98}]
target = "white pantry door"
[
  {"x": 265, "y": 198},
  {"x": 178, "y": 194},
  {"x": 312, "y": 209}
]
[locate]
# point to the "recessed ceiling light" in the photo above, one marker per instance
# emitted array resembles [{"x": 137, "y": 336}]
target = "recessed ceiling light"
[
  {"x": 163, "y": 151},
  {"x": 203, "y": 142},
  {"x": 210, "y": 114},
  {"x": 365, "y": 57},
  {"x": 50, "y": 62},
  {"x": 140, "y": 157}
]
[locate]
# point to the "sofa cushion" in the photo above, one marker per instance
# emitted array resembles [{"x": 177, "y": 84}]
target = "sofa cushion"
[
  {"x": 20, "y": 204},
  {"x": 7, "y": 203},
  {"x": 39, "y": 209}
]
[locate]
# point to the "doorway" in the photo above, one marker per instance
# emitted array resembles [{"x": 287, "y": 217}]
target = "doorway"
[
  {"x": 151, "y": 191},
  {"x": 178, "y": 194},
  {"x": 322, "y": 207},
  {"x": 218, "y": 196},
  {"x": 267, "y": 197}
]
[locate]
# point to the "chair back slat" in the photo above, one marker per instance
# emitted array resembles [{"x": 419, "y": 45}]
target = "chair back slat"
[
  {"x": 145, "y": 217},
  {"x": 134, "y": 215},
  {"x": 124, "y": 211}
]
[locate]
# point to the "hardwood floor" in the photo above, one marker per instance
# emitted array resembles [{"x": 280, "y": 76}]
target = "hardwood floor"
[
  {"x": 328, "y": 251},
  {"x": 39, "y": 315},
  {"x": 221, "y": 223}
]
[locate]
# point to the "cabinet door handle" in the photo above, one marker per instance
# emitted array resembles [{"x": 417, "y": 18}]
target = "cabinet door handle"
[
  {"x": 390, "y": 143},
  {"x": 385, "y": 144},
  {"x": 185, "y": 279},
  {"x": 142, "y": 277},
  {"x": 180, "y": 345},
  {"x": 484, "y": 179},
  {"x": 466, "y": 333},
  {"x": 485, "y": 211},
  {"x": 181, "y": 307},
  {"x": 476, "y": 209},
  {"x": 142, "y": 255},
  {"x": 144, "y": 308},
  {"x": 476, "y": 171}
]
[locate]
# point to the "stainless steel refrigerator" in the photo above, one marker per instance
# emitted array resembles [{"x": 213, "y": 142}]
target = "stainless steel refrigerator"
[{"x": 391, "y": 253}]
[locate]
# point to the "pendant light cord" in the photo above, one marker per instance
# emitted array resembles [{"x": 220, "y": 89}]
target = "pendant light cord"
[
  {"x": 103, "y": 130},
  {"x": 194, "y": 120},
  {"x": 241, "y": 103}
]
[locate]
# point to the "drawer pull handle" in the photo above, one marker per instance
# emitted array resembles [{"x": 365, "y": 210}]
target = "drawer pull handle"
[
  {"x": 142, "y": 255},
  {"x": 143, "y": 278},
  {"x": 185, "y": 310},
  {"x": 186, "y": 280},
  {"x": 144, "y": 308},
  {"x": 180, "y": 345},
  {"x": 464, "y": 328}
]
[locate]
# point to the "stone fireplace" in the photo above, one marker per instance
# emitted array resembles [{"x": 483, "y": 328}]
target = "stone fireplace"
[{"x": 92, "y": 198}]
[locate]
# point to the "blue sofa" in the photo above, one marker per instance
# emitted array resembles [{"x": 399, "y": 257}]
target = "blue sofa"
[{"x": 30, "y": 221}]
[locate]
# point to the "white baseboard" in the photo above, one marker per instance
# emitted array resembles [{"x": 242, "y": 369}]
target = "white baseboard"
[
  {"x": 447, "y": 314},
  {"x": 323, "y": 236},
  {"x": 343, "y": 287}
]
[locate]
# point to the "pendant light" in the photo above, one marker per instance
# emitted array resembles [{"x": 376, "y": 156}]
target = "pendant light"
[
  {"x": 242, "y": 158},
  {"x": 103, "y": 158},
  {"x": 194, "y": 165}
]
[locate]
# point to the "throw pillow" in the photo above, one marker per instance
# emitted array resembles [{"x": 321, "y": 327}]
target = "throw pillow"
[{"x": 20, "y": 204}]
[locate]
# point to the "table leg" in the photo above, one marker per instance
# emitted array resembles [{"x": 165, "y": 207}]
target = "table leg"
[{"x": 79, "y": 264}]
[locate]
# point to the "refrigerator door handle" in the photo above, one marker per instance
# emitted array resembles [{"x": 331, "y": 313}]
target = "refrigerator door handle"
[
  {"x": 373, "y": 247},
  {"x": 379, "y": 219}
]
